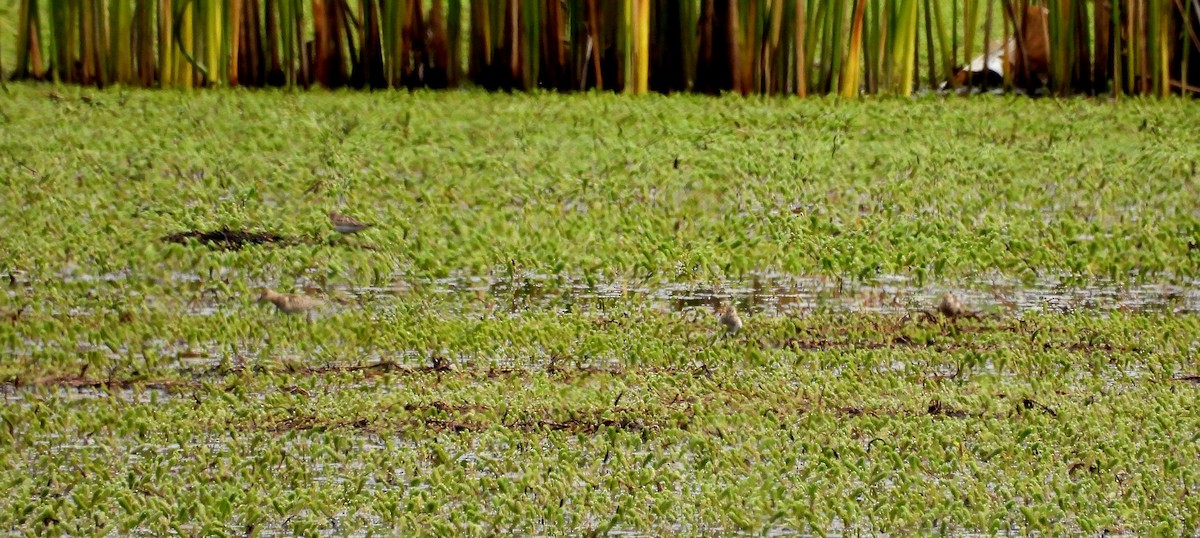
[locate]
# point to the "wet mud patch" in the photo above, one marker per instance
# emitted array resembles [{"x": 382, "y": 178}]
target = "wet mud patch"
[
  {"x": 443, "y": 417},
  {"x": 227, "y": 239}
]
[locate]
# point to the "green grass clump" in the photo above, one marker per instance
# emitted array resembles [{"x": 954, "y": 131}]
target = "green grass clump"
[{"x": 523, "y": 342}]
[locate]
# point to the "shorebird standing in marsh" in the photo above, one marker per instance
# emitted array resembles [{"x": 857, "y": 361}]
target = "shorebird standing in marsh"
[
  {"x": 951, "y": 307},
  {"x": 729, "y": 317},
  {"x": 289, "y": 304},
  {"x": 346, "y": 225}
]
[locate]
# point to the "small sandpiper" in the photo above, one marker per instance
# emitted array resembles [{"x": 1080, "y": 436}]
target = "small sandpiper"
[
  {"x": 951, "y": 307},
  {"x": 288, "y": 304},
  {"x": 729, "y": 318},
  {"x": 346, "y": 225}
]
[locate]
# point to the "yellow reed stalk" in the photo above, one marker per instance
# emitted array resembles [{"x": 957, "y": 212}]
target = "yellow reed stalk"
[
  {"x": 184, "y": 72},
  {"x": 906, "y": 45},
  {"x": 1163, "y": 11},
  {"x": 235, "y": 26},
  {"x": 121, "y": 60},
  {"x": 166, "y": 42},
  {"x": 801, "y": 55},
  {"x": 852, "y": 68},
  {"x": 641, "y": 49},
  {"x": 212, "y": 48}
]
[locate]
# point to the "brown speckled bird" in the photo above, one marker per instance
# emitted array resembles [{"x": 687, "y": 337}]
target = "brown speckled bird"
[
  {"x": 729, "y": 318},
  {"x": 288, "y": 304},
  {"x": 345, "y": 224},
  {"x": 951, "y": 307}
]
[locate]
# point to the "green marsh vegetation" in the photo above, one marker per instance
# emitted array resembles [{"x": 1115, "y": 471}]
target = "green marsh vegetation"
[{"x": 525, "y": 341}]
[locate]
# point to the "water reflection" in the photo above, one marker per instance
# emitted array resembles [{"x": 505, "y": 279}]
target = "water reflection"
[{"x": 789, "y": 294}]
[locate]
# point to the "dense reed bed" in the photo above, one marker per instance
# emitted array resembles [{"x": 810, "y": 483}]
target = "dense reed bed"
[{"x": 797, "y": 47}]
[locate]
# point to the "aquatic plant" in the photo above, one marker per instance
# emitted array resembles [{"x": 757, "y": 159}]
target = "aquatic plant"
[{"x": 525, "y": 342}]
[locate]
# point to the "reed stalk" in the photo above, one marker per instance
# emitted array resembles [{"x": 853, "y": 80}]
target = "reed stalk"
[{"x": 852, "y": 67}]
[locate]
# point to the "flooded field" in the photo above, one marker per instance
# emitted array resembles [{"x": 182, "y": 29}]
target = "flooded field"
[{"x": 596, "y": 315}]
